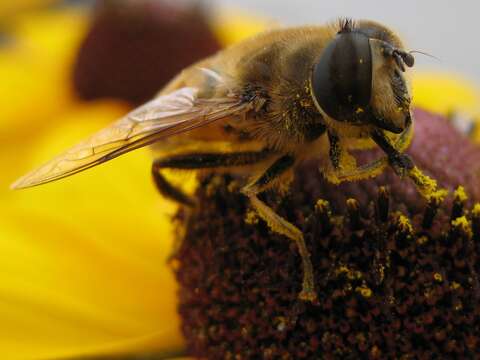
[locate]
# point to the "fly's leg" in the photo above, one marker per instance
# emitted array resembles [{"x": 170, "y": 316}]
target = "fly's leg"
[
  {"x": 335, "y": 152},
  {"x": 403, "y": 165},
  {"x": 167, "y": 189},
  {"x": 363, "y": 172},
  {"x": 279, "y": 224},
  {"x": 344, "y": 167},
  {"x": 198, "y": 161},
  {"x": 217, "y": 160},
  {"x": 193, "y": 161},
  {"x": 400, "y": 162},
  {"x": 375, "y": 167}
]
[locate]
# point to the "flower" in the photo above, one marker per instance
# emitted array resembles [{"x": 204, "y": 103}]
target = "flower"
[
  {"x": 83, "y": 262},
  {"x": 75, "y": 281},
  {"x": 79, "y": 274},
  {"x": 395, "y": 276},
  {"x": 124, "y": 55}
]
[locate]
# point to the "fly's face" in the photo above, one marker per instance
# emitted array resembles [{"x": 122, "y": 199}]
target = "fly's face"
[
  {"x": 360, "y": 79},
  {"x": 391, "y": 93}
]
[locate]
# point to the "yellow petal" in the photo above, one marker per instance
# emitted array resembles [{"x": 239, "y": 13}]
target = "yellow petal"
[
  {"x": 35, "y": 70},
  {"x": 446, "y": 93},
  {"x": 232, "y": 26},
  {"x": 83, "y": 261},
  {"x": 12, "y": 7}
]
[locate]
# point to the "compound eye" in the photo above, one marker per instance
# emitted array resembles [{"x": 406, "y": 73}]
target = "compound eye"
[{"x": 342, "y": 79}]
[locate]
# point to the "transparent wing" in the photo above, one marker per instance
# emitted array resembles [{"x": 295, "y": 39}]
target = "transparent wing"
[{"x": 174, "y": 113}]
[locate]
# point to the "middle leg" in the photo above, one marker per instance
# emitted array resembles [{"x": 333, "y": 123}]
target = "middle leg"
[
  {"x": 278, "y": 224},
  {"x": 394, "y": 157}
]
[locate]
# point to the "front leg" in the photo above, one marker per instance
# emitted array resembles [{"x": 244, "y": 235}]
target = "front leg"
[
  {"x": 375, "y": 167},
  {"x": 403, "y": 165},
  {"x": 343, "y": 165},
  {"x": 335, "y": 152},
  {"x": 279, "y": 224}
]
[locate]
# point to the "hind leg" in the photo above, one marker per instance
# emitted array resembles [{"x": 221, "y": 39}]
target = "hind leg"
[
  {"x": 274, "y": 221},
  {"x": 194, "y": 161}
]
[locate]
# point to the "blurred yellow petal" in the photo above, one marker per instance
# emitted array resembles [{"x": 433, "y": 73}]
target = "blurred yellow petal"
[
  {"x": 31, "y": 149},
  {"x": 84, "y": 260},
  {"x": 234, "y": 25},
  {"x": 12, "y": 7},
  {"x": 83, "y": 268},
  {"x": 446, "y": 93},
  {"x": 35, "y": 69}
]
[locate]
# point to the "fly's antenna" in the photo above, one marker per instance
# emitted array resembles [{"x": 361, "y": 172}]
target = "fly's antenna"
[{"x": 424, "y": 53}]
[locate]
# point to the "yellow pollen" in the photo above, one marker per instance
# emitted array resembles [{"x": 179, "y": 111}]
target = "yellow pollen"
[
  {"x": 476, "y": 210},
  {"x": 455, "y": 285},
  {"x": 426, "y": 185},
  {"x": 359, "y": 110},
  {"x": 375, "y": 352},
  {"x": 351, "y": 202},
  {"x": 251, "y": 217},
  {"x": 351, "y": 274},
  {"x": 322, "y": 205},
  {"x": 422, "y": 240},
  {"x": 438, "y": 277},
  {"x": 463, "y": 224},
  {"x": 439, "y": 195},
  {"x": 364, "y": 290},
  {"x": 354, "y": 275},
  {"x": 305, "y": 103},
  {"x": 460, "y": 194},
  {"x": 427, "y": 293},
  {"x": 405, "y": 224}
]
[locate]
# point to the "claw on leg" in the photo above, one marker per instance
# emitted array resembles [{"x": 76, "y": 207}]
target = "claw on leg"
[{"x": 403, "y": 165}]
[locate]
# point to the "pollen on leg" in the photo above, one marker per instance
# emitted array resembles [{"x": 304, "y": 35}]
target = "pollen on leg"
[{"x": 425, "y": 184}]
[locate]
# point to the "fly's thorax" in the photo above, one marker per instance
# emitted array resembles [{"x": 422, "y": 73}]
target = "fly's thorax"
[
  {"x": 276, "y": 68},
  {"x": 276, "y": 56}
]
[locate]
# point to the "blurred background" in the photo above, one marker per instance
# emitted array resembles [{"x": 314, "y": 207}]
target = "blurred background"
[
  {"x": 442, "y": 28},
  {"x": 446, "y": 30},
  {"x": 83, "y": 261}
]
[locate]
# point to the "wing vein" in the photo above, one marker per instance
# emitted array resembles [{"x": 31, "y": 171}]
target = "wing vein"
[{"x": 168, "y": 115}]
